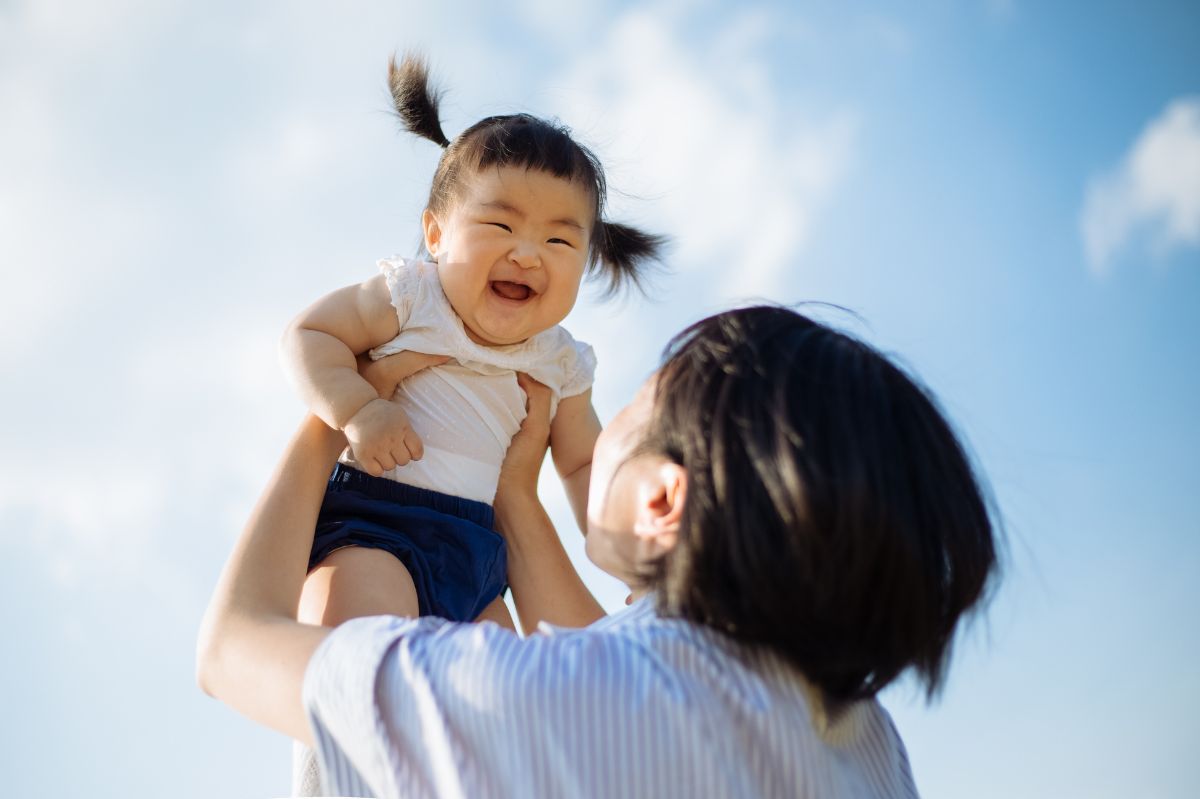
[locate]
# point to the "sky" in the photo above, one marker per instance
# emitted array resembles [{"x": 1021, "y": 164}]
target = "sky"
[{"x": 1004, "y": 195}]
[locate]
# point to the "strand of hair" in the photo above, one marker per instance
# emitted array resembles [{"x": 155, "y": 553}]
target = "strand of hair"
[
  {"x": 627, "y": 251},
  {"x": 416, "y": 103}
]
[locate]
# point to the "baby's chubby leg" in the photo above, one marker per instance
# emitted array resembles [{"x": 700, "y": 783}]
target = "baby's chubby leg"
[
  {"x": 350, "y": 582},
  {"x": 357, "y": 581}
]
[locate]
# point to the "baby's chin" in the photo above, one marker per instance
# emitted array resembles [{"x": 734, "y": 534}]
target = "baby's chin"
[
  {"x": 486, "y": 338},
  {"x": 508, "y": 324}
]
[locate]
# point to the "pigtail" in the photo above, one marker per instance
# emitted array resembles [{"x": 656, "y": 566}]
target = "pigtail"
[
  {"x": 625, "y": 254},
  {"x": 416, "y": 103}
]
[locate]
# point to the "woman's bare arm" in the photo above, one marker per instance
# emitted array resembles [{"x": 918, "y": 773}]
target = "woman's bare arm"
[
  {"x": 252, "y": 653},
  {"x": 545, "y": 585}
]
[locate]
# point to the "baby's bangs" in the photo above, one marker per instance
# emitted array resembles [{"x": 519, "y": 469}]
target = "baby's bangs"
[{"x": 525, "y": 141}]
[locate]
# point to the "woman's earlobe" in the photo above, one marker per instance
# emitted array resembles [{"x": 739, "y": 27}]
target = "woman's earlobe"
[
  {"x": 660, "y": 510},
  {"x": 674, "y": 479}
]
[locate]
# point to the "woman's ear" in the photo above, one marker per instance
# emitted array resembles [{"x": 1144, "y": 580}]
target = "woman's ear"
[
  {"x": 661, "y": 498},
  {"x": 432, "y": 230}
]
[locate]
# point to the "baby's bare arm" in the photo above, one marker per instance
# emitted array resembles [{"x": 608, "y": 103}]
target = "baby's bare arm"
[
  {"x": 319, "y": 350},
  {"x": 320, "y": 345},
  {"x": 573, "y": 434}
]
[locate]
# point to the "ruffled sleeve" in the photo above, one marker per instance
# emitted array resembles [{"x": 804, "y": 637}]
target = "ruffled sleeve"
[
  {"x": 404, "y": 284},
  {"x": 559, "y": 362},
  {"x": 582, "y": 371}
]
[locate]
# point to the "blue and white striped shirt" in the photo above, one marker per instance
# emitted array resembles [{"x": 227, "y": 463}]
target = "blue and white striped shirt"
[{"x": 632, "y": 706}]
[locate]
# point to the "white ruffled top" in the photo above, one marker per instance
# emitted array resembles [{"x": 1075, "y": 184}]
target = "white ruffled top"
[{"x": 467, "y": 410}]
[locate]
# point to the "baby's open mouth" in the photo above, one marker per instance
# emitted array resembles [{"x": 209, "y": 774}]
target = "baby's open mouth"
[{"x": 511, "y": 291}]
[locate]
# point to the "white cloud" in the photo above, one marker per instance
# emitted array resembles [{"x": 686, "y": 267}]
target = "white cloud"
[
  {"x": 563, "y": 23},
  {"x": 1152, "y": 195},
  {"x": 698, "y": 133},
  {"x": 194, "y": 418},
  {"x": 81, "y": 28},
  {"x": 66, "y": 228}
]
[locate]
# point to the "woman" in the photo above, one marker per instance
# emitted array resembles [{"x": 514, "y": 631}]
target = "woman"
[{"x": 797, "y": 523}]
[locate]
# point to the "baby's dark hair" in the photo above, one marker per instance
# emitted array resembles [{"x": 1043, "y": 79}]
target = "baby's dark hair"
[{"x": 620, "y": 252}]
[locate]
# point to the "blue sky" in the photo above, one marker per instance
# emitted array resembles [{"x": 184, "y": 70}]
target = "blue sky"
[{"x": 1006, "y": 195}]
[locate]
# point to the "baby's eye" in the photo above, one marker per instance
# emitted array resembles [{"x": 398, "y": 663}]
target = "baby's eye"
[
  {"x": 560, "y": 241},
  {"x": 501, "y": 225}
]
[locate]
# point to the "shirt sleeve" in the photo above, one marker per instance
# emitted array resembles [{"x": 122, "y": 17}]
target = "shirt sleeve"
[
  {"x": 564, "y": 365},
  {"x": 427, "y": 707},
  {"x": 339, "y": 697},
  {"x": 403, "y": 278},
  {"x": 583, "y": 371}
]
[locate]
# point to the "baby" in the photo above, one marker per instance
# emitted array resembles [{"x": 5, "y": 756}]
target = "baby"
[{"x": 515, "y": 219}]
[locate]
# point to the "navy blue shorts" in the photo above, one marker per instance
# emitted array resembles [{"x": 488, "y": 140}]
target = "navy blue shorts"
[{"x": 457, "y": 561}]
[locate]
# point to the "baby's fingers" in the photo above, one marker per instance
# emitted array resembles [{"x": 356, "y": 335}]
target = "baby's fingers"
[
  {"x": 388, "y": 461},
  {"x": 412, "y": 442}
]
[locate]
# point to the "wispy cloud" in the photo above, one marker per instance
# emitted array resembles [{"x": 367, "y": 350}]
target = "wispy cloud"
[
  {"x": 198, "y": 415},
  {"x": 1153, "y": 196},
  {"x": 61, "y": 215},
  {"x": 733, "y": 173}
]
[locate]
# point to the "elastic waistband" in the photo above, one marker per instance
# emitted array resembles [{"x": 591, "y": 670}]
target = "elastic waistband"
[{"x": 347, "y": 478}]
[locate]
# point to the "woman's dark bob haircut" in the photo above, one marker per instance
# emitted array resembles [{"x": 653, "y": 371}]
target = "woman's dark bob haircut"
[
  {"x": 832, "y": 516},
  {"x": 620, "y": 252}
]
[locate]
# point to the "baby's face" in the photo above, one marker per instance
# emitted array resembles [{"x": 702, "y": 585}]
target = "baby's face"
[{"x": 512, "y": 251}]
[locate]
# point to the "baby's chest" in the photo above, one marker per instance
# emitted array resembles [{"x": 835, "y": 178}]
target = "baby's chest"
[{"x": 457, "y": 407}]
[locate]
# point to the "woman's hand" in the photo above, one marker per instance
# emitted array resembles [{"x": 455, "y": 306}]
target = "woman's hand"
[
  {"x": 523, "y": 462},
  {"x": 546, "y": 587},
  {"x": 388, "y": 372}
]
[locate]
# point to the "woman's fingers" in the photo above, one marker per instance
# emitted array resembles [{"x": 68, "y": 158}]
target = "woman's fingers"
[
  {"x": 537, "y": 400},
  {"x": 528, "y": 447},
  {"x": 388, "y": 372},
  {"x": 409, "y": 363}
]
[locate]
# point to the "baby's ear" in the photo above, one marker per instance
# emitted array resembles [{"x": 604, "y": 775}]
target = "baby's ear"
[{"x": 433, "y": 231}]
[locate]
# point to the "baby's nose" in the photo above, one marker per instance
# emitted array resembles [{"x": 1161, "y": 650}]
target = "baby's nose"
[{"x": 525, "y": 255}]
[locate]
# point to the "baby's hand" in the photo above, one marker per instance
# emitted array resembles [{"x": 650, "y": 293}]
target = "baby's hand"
[
  {"x": 381, "y": 437},
  {"x": 380, "y": 434}
]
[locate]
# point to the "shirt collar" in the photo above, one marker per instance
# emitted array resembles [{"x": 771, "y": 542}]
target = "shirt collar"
[{"x": 640, "y": 611}]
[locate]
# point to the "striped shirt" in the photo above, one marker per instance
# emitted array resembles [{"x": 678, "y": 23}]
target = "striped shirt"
[{"x": 632, "y": 706}]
